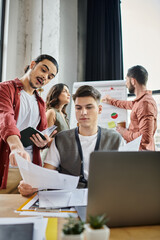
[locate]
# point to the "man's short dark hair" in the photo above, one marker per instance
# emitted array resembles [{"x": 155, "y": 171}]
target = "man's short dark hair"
[
  {"x": 42, "y": 57},
  {"x": 87, "y": 91},
  {"x": 139, "y": 73}
]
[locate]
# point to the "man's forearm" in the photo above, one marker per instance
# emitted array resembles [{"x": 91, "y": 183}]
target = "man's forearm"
[{"x": 14, "y": 142}]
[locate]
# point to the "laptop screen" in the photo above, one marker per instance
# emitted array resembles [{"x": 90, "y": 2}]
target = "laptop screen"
[{"x": 125, "y": 186}]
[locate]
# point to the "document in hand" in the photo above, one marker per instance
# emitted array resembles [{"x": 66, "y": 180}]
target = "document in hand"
[
  {"x": 131, "y": 146},
  {"x": 63, "y": 198},
  {"x": 28, "y": 132},
  {"x": 43, "y": 178}
]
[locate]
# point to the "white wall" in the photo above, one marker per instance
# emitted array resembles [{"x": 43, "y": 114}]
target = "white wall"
[
  {"x": 34, "y": 27},
  {"x": 10, "y": 55},
  {"x": 141, "y": 37},
  {"x": 68, "y": 44}
]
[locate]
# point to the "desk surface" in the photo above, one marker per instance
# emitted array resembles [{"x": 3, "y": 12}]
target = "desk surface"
[{"x": 10, "y": 202}]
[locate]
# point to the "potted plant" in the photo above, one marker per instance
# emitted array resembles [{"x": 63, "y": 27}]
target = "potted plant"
[
  {"x": 96, "y": 228},
  {"x": 73, "y": 229}
]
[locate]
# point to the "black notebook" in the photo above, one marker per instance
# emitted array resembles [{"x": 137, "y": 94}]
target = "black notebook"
[{"x": 28, "y": 132}]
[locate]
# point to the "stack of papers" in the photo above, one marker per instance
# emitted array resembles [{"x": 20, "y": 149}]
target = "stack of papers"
[
  {"x": 63, "y": 198},
  {"x": 31, "y": 207}
]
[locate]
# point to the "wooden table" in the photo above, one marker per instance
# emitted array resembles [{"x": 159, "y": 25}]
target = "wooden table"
[{"x": 10, "y": 202}]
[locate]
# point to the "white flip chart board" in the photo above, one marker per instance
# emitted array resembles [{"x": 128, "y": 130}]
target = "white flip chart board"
[{"x": 110, "y": 115}]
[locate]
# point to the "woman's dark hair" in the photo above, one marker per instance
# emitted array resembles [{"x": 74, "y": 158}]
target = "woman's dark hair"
[
  {"x": 52, "y": 100},
  {"x": 42, "y": 57}
]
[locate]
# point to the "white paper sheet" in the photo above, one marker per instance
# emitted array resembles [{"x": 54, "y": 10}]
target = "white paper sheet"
[
  {"x": 30, "y": 203},
  {"x": 63, "y": 198},
  {"x": 131, "y": 146},
  {"x": 50, "y": 214},
  {"x": 32, "y": 209},
  {"x": 49, "y": 130},
  {"x": 39, "y": 225},
  {"x": 42, "y": 178}
]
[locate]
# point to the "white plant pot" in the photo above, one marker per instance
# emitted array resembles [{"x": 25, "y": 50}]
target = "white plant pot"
[
  {"x": 97, "y": 234},
  {"x": 72, "y": 237}
]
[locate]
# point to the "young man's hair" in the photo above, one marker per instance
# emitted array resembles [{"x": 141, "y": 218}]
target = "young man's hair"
[
  {"x": 42, "y": 57},
  {"x": 87, "y": 91},
  {"x": 139, "y": 73}
]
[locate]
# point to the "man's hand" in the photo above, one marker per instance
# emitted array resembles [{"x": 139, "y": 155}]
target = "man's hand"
[
  {"x": 106, "y": 99},
  {"x": 39, "y": 142},
  {"x": 120, "y": 130},
  {"x": 16, "y": 146},
  {"x": 26, "y": 189},
  {"x": 21, "y": 152}
]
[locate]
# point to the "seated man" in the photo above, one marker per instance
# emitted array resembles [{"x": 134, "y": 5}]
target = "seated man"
[{"x": 70, "y": 151}]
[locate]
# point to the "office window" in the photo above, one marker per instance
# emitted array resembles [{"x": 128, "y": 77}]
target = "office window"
[
  {"x": 141, "y": 37},
  {"x": 2, "y": 13}
]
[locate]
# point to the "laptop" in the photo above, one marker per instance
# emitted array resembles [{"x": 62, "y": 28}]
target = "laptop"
[{"x": 125, "y": 186}]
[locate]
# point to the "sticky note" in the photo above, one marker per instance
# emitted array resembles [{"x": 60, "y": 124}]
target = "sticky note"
[{"x": 111, "y": 124}]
